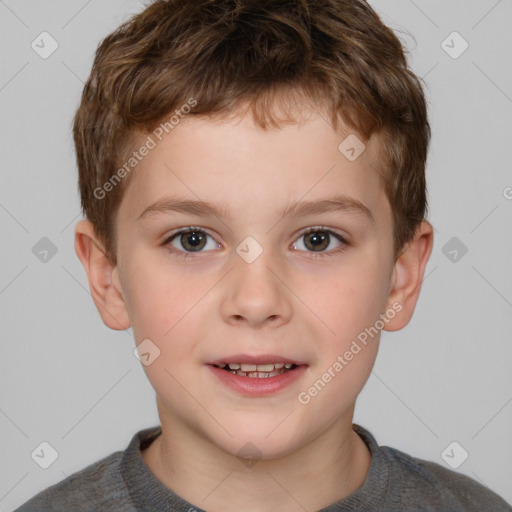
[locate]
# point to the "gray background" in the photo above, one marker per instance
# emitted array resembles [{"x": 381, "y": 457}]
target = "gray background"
[{"x": 67, "y": 379}]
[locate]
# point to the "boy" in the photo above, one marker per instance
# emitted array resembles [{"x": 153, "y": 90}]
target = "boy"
[{"x": 285, "y": 144}]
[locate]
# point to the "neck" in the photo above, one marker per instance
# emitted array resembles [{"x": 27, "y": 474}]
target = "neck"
[{"x": 327, "y": 469}]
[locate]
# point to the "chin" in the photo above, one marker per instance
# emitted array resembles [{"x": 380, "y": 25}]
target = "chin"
[{"x": 261, "y": 440}]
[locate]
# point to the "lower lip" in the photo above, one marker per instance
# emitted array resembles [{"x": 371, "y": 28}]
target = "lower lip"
[{"x": 255, "y": 386}]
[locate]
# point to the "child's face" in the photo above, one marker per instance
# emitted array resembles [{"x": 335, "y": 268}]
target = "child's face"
[{"x": 292, "y": 302}]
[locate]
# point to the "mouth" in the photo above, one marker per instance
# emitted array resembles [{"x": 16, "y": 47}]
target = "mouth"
[{"x": 257, "y": 375}]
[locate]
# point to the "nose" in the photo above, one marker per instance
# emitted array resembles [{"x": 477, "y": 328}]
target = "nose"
[{"x": 255, "y": 294}]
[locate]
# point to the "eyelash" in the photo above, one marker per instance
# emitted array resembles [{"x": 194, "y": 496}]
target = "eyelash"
[{"x": 190, "y": 229}]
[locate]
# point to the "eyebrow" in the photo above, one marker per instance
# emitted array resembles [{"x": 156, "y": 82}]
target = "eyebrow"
[{"x": 338, "y": 203}]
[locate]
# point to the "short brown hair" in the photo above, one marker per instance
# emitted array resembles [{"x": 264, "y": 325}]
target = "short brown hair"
[{"x": 334, "y": 54}]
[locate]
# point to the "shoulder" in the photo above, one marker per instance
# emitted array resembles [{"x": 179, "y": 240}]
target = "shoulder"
[
  {"x": 398, "y": 481},
  {"x": 429, "y": 486},
  {"x": 99, "y": 486}
]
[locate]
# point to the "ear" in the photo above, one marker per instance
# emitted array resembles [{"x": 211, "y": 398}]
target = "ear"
[
  {"x": 103, "y": 277},
  {"x": 407, "y": 276}
]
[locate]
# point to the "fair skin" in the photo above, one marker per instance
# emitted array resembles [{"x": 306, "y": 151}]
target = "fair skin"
[{"x": 292, "y": 301}]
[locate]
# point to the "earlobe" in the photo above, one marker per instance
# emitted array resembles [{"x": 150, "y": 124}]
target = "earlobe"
[
  {"x": 408, "y": 275},
  {"x": 103, "y": 277}
]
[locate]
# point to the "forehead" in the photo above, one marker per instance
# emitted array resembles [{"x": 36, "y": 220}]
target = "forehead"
[{"x": 241, "y": 167}]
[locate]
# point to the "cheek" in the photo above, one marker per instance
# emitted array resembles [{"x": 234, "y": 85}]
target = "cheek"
[
  {"x": 163, "y": 307},
  {"x": 349, "y": 304},
  {"x": 345, "y": 301},
  {"x": 159, "y": 299}
]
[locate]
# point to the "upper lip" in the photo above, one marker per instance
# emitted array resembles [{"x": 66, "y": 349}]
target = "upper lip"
[{"x": 260, "y": 359}]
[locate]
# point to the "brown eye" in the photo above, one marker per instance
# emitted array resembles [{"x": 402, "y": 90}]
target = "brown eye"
[
  {"x": 193, "y": 240},
  {"x": 317, "y": 240}
]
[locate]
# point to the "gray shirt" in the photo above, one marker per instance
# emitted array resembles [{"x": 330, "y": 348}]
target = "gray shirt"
[{"x": 395, "y": 482}]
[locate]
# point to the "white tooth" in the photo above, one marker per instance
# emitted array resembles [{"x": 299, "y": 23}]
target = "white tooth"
[
  {"x": 287, "y": 365},
  {"x": 265, "y": 367},
  {"x": 278, "y": 366},
  {"x": 257, "y": 373},
  {"x": 221, "y": 365},
  {"x": 234, "y": 366},
  {"x": 248, "y": 367}
]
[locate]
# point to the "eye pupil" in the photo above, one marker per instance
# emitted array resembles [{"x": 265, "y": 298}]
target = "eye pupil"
[
  {"x": 317, "y": 239},
  {"x": 193, "y": 239}
]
